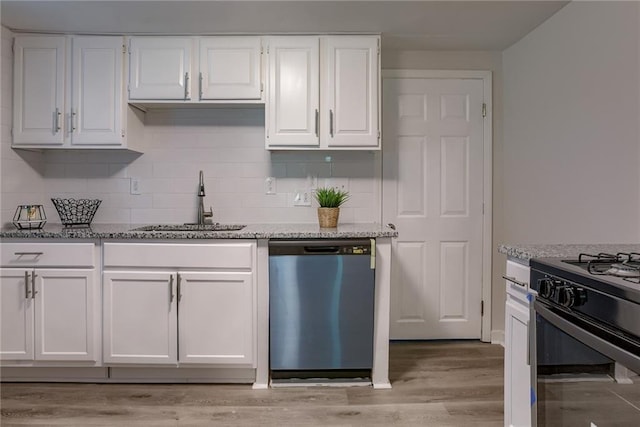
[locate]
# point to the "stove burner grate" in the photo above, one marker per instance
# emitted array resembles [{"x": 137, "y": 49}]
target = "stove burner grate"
[{"x": 624, "y": 265}]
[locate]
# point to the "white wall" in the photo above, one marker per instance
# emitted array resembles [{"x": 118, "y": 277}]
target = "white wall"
[
  {"x": 571, "y": 138},
  {"x": 227, "y": 144}
]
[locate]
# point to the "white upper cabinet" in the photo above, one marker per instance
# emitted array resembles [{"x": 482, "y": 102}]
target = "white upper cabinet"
[
  {"x": 294, "y": 92},
  {"x": 160, "y": 68},
  {"x": 230, "y": 68},
  {"x": 38, "y": 94},
  {"x": 323, "y": 92},
  {"x": 68, "y": 93},
  {"x": 350, "y": 92},
  {"x": 195, "y": 69},
  {"x": 96, "y": 91}
]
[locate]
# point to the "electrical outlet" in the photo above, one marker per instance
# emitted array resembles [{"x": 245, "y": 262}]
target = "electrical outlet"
[
  {"x": 270, "y": 185},
  {"x": 134, "y": 186},
  {"x": 302, "y": 198},
  {"x": 337, "y": 183}
]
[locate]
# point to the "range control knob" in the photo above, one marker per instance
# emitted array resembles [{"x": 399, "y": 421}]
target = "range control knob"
[
  {"x": 547, "y": 287},
  {"x": 572, "y": 296}
]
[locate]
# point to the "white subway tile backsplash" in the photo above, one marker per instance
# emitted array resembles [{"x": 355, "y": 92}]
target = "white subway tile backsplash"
[
  {"x": 173, "y": 201},
  {"x": 87, "y": 170}
]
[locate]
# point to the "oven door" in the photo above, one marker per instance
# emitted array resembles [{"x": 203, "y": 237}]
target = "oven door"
[{"x": 586, "y": 375}]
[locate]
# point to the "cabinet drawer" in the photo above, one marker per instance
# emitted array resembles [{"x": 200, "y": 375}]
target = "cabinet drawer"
[
  {"x": 519, "y": 273},
  {"x": 47, "y": 255},
  {"x": 223, "y": 255}
]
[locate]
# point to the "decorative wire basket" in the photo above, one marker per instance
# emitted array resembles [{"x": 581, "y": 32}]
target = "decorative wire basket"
[{"x": 76, "y": 211}]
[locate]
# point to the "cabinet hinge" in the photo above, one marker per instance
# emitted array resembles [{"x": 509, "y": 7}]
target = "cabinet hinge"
[
  {"x": 261, "y": 87},
  {"x": 484, "y": 110},
  {"x": 481, "y": 308},
  {"x": 123, "y": 133},
  {"x": 378, "y": 46},
  {"x": 124, "y": 48},
  {"x": 378, "y": 134},
  {"x": 482, "y": 208}
]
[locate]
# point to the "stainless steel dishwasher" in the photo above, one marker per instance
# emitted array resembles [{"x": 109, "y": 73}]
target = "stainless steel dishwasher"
[{"x": 321, "y": 303}]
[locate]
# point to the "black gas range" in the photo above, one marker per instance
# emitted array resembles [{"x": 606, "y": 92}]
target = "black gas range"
[
  {"x": 587, "y": 339},
  {"x": 603, "y": 287}
]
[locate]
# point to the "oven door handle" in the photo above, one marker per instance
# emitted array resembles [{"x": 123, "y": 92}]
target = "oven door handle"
[{"x": 612, "y": 351}]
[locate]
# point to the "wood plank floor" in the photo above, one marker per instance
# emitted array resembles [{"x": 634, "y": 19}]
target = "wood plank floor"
[{"x": 456, "y": 383}]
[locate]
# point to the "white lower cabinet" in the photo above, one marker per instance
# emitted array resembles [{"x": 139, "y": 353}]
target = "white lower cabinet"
[
  {"x": 47, "y": 315},
  {"x": 140, "y": 317},
  {"x": 179, "y": 315},
  {"x": 49, "y": 304},
  {"x": 518, "y": 356}
]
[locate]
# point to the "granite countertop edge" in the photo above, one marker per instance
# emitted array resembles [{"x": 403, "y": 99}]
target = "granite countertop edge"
[
  {"x": 250, "y": 231},
  {"x": 525, "y": 252}
]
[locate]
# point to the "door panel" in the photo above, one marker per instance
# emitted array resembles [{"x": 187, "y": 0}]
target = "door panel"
[
  {"x": 16, "y": 315},
  {"x": 216, "y": 318},
  {"x": 433, "y": 192},
  {"x": 294, "y": 91},
  {"x": 160, "y": 68},
  {"x": 350, "y": 104},
  {"x": 64, "y": 315},
  {"x": 96, "y": 110},
  {"x": 140, "y": 321},
  {"x": 230, "y": 68},
  {"x": 39, "y": 90}
]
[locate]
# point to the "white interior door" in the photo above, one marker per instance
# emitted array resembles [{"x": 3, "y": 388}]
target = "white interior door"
[{"x": 433, "y": 192}]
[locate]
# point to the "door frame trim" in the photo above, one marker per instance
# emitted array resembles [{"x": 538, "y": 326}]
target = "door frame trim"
[{"x": 487, "y": 197}]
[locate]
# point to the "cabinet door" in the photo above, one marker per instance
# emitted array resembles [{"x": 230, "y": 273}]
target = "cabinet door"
[
  {"x": 64, "y": 315},
  {"x": 160, "y": 68},
  {"x": 16, "y": 315},
  {"x": 517, "y": 369},
  {"x": 140, "y": 320},
  {"x": 216, "y": 318},
  {"x": 230, "y": 68},
  {"x": 294, "y": 92},
  {"x": 38, "y": 90},
  {"x": 95, "y": 113},
  {"x": 350, "y": 92}
]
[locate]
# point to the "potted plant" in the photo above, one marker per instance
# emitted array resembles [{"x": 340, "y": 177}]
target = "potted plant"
[{"x": 330, "y": 199}]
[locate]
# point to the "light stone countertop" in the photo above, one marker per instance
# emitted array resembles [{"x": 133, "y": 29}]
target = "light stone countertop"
[
  {"x": 251, "y": 231},
  {"x": 524, "y": 253}
]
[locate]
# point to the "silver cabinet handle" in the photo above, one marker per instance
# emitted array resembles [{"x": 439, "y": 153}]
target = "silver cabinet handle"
[
  {"x": 73, "y": 120},
  {"x": 28, "y": 253},
  {"x": 317, "y": 122},
  {"x": 171, "y": 294},
  {"x": 186, "y": 86},
  {"x": 27, "y": 292},
  {"x": 513, "y": 280},
  {"x": 200, "y": 85},
  {"x": 179, "y": 287},
  {"x": 33, "y": 285},
  {"x": 331, "y": 123},
  {"x": 57, "y": 120}
]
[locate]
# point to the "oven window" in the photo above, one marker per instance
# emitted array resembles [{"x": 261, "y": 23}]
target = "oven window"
[{"x": 578, "y": 386}]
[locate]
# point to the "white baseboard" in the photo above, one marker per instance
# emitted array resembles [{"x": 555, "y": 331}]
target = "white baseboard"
[{"x": 497, "y": 337}]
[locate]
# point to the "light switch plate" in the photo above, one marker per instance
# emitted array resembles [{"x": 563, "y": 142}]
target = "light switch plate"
[
  {"x": 302, "y": 198},
  {"x": 134, "y": 186},
  {"x": 270, "y": 185}
]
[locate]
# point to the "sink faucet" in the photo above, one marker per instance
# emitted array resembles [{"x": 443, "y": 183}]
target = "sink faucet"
[{"x": 202, "y": 214}]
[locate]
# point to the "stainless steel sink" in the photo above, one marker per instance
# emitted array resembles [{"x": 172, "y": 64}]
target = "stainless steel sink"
[{"x": 191, "y": 227}]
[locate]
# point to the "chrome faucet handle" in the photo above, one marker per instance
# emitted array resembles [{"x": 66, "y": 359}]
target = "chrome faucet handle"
[{"x": 209, "y": 213}]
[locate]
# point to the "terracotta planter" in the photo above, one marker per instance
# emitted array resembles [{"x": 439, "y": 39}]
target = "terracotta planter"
[{"x": 328, "y": 217}]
